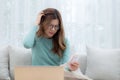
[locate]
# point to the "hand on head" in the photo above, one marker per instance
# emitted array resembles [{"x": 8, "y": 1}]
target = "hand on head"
[{"x": 39, "y": 18}]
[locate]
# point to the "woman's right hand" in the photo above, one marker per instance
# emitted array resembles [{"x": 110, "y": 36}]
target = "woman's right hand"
[{"x": 39, "y": 18}]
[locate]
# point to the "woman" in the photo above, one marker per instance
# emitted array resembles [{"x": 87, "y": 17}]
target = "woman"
[{"x": 47, "y": 41}]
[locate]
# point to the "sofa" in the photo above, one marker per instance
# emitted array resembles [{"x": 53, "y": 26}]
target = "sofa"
[{"x": 96, "y": 63}]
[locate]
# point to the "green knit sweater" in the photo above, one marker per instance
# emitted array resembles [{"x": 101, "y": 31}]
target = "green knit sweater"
[{"x": 41, "y": 50}]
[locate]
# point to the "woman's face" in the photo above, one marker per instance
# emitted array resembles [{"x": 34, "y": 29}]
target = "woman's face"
[{"x": 51, "y": 28}]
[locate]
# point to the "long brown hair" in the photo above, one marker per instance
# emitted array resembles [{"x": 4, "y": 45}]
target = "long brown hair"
[{"x": 59, "y": 38}]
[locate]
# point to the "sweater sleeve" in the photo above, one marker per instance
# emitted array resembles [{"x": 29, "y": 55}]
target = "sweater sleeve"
[
  {"x": 66, "y": 53},
  {"x": 29, "y": 39}
]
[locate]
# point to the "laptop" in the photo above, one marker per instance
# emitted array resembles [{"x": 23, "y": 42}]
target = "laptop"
[{"x": 39, "y": 73}]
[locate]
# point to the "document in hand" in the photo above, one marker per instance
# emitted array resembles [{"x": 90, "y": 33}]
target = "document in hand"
[{"x": 73, "y": 76}]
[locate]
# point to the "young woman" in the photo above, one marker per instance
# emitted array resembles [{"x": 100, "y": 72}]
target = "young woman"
[{"x": 47, "y": 41}]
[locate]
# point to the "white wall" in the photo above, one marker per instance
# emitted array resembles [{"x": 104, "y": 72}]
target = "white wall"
[{"x": 94, "y": 22}]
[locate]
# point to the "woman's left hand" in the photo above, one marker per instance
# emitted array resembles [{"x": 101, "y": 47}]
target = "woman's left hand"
[{"x": 73, "y": 66}]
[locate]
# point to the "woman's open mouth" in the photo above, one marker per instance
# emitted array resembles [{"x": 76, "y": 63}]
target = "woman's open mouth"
[{"x": 51, "y": 33}]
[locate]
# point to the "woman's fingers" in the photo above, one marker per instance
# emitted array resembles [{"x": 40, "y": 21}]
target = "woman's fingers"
[
  {"x": 74, "y": 63},
  {"x": 74, "y": 66},
  {"x": 41, "y": 13}
]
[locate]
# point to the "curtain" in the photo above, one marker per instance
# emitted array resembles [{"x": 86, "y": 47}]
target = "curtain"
[{"x": 86, "y": 22}]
